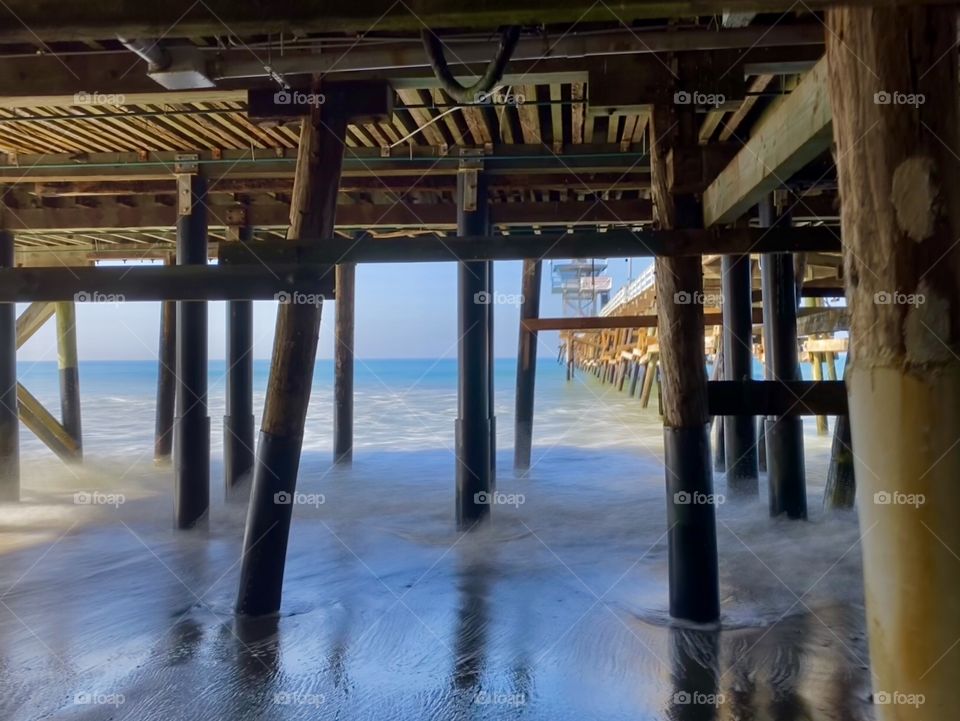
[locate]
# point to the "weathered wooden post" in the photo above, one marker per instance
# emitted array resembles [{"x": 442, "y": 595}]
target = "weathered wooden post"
[
  {"x": 739, "y": 433},
  {"x": 312, "y": 209},
  {"x": 473, "y": 431},
  {"x": 166, "y": 383},
  {"x": 69, "y": 372},
  {"x": 692, "y": 538},
  {"x": 344, "y": 324},
  {"x": 784, "y": 434},
  {"x": 893, "y": 81},
  {"x": 191, "y": 430},
  {"x": 238, "y": 422},
  {"x": 526, "y": 365},
  {"x": 9, "y": 414}
]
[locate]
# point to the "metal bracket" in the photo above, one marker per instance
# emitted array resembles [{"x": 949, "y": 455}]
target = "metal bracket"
[
  {"x": 184, "y": 194},
  {"x": 186, "y": 163}
]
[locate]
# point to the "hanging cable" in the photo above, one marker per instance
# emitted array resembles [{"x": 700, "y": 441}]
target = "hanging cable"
[{"x": 491, "y": 76}]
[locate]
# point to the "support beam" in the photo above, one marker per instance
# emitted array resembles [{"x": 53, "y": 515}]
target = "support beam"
[
  {"x": 166, "y": 384},
  {"x": 9, "y": 416},
  {"x": 343, "y": 350},
  {"x": 527, "y": 364},
  {"x": 739, "y": 439},
  {"x": 191, "y": 430},
  {"x": 473, "y": 429},
  {"x": 33, "y": 319},
  {"x": 322, "y": 142},
  {"x": 785, "y": 140},
  {"x": 691, "y": 520},
  {"x": 898, "y": 176},
  {"x": 238, "y": 422},
  {"x": 777, "y": 398},
  {"x": 641, "y": 243},
  {"x": 786, "y": 473},
  {"x": 69, "y": 372},
  {"x": 122, "y": 284},
  {"x": 44, "y": 426}
]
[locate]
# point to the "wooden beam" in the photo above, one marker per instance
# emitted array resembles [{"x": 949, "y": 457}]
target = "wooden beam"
[
  {"x": 45, "y": 427},
  {"x": 795, "y": 132},
  {"x": 644, "y": 243},
  {"x": 120, "y": 284},
  {"x": 32, "y": 320},
  {"x": 617, "y": 321},
  {"x": 777, "y": 398}
]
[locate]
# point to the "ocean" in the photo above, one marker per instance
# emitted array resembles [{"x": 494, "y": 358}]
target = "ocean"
[{"x": 555, "y": 610}]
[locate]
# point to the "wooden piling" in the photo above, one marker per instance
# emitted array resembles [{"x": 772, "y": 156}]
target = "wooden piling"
[
  {"x": 526, "y": 365},
  {"x": 166, "y": 383},
  {"x": 191, "y": 430},
  {"x": 740, "y": 443},
  {"x": 238, "y": 422},
  {"x": 691, "y": 521},
  {"x": 312, "y": 208},
  {"x": 897, "y": 166},
  {"x": 491, "y": 373},
  {"x": 474, "y": 482},
  {"x": 69, "y": 372},
  {"x": 9, "y": 416},
  {"x": 786, "y": 474},
  {"x": 344, "y": 312}
]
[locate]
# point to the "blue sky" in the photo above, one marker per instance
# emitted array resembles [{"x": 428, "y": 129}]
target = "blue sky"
[{"x": 404, "y": 310}]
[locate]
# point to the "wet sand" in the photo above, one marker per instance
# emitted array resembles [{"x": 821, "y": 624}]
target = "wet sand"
[{"x": 556, "y": 610}]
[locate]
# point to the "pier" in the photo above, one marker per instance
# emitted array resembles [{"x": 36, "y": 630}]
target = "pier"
[{"x": 784, "y": 179}]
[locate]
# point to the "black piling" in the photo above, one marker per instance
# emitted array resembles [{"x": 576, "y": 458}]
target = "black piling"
[
  {"x": 491, "y": 372},
  {"x": 784, "y": 434},
  {"x": 9, "y": 415},
  {"x": 739, "y": 434},
  {"x": 67, "y": 363},
  {"x": 343, "y": 363},
  {"x": 191, "y": 430},
  {"x": 238, "y": 422},
  {"x": 473, "y": 430},
  {"x": 526, "y": 365},
  {"x": 166, "y": 383}
]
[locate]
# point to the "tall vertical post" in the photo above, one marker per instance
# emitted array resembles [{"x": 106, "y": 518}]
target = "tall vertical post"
[
  {"x": 473, "y": 431},
  {"x": 312, "y": 209},
  {"x": 191, "y": 430},
  {"x": 739, "y": 433},
  {"x": 491, "y": 373},
  {"x": 691, "y": 520},
  {"x": 166, "y": 382},
  {"x": 69, "y": 372},
  {"x": 343, "y": 363},
  {"x": 527, "y": 364},
  {"x": 784, "y": 434},
  {"x": 898, "y": 176},
  {"x": 238, "y": 422},
  {"x": 9, "y": 415}
]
